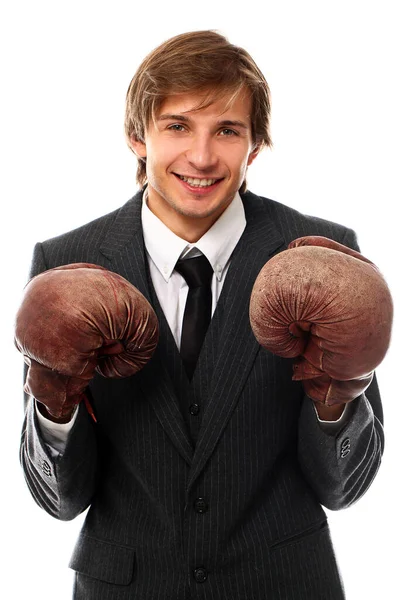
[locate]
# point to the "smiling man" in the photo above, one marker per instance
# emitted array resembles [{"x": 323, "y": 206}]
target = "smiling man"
[
  {"x": 205, "y": 473},
  {"x": 196, "y": 160}
]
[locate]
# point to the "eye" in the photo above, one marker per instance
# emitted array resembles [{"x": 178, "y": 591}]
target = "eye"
[
  {"x": 174, "y": 126},
  {"x": 230, "y": 133}
]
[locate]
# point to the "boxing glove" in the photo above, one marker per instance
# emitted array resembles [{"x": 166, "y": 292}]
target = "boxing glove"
[
  {"x": 328, "y": 307},
  {"x": 75, "y": 320}
]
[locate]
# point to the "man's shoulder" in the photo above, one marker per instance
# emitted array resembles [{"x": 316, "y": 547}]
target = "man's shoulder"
[
  {"x": 291, "y": 222},
  {"x": 94, "y": 231},
  {"x": 85, "y": 243},
  {"x": 95, "y": 228}
]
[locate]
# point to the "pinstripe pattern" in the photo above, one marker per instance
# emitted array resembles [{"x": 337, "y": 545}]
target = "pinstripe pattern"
[{"x": 250, "y": 453}]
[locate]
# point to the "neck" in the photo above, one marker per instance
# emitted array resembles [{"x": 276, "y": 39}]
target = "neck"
[{"x": 187, "y": 227}]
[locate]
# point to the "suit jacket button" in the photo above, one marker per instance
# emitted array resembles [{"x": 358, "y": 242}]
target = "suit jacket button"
[
  {"x": 46, "y": 468},
  {"x": 200, "y": 505},
  {"x": 200, "y": 574},
  {"x": 194, "y": 409}
]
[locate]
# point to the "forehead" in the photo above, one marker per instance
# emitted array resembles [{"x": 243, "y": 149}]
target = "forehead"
[{"x": 187, "y": 104}]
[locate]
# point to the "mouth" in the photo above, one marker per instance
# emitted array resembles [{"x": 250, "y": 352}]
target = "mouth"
[{"x": 198, "y": 185}]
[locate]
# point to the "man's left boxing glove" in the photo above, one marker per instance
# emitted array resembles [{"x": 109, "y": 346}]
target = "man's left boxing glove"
[
  {"x": 75, "y": 320},
  {"x": 330, "y": 308}
]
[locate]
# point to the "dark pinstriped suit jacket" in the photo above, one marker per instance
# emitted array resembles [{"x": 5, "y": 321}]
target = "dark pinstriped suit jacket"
[{"x": 223, "y": 504}]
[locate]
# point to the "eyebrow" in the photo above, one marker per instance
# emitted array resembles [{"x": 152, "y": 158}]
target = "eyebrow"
[{"x": 225, "y": 123}]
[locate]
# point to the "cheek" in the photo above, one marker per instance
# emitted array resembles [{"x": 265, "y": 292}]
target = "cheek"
[
  {"x": 237, "y": 158},
  {"x": 242, "y": 166},
  {"x": 155, "y": 163},
  {"x": 163, "y": 155}
]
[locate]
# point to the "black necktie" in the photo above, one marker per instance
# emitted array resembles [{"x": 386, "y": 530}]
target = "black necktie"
[{"x": 197, "y": 273}]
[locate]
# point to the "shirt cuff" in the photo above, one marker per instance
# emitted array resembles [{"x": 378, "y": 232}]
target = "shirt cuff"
[
  {"x": 55, "y": 435},
  {"x": 333, "y": 427}
]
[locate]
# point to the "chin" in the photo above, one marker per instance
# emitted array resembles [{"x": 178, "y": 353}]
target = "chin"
[{"x": 196, "y": 214}]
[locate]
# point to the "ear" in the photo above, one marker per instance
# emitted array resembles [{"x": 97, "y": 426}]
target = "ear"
[
  {"x": 138, "y": 146},
  {"x": 253, "y": 155}
]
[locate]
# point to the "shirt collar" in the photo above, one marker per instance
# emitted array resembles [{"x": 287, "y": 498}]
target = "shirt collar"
[{"x": 217, "y": 244}]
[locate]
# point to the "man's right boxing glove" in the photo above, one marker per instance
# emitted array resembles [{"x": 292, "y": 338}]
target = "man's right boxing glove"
[{"x": 75, "y": 320}]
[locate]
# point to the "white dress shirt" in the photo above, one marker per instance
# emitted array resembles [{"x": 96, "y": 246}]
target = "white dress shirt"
[{"x": 163, "y": 250}]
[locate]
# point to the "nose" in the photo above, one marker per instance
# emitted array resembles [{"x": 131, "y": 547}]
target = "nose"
[{"x": 201, "y": 154}]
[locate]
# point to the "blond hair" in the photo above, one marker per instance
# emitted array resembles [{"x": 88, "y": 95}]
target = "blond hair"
[{"x": 190, "y": 62}]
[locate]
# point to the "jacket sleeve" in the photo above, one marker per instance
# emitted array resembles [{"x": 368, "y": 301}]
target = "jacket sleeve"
[
  {"x": 62, "y": 485},
  {"x": 340, "y": 467}
]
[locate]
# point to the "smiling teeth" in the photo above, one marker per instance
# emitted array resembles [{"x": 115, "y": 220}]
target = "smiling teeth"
[{"x": 197, "y": 182}]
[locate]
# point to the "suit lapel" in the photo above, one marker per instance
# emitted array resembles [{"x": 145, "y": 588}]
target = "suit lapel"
[
  {"x": 229, "y": 349},
  {"x": 165, "y": 392},
  {"x": 230, "y": 345},
  {"x": 123, "y": 247}
]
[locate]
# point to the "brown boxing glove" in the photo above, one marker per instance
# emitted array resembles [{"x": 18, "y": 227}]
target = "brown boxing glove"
[
  {"x": 75, "y": 320},
  {"x": 330, "y": 308}
]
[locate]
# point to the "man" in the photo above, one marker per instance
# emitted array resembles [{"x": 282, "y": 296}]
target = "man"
[{"x": 204, "y": 477}]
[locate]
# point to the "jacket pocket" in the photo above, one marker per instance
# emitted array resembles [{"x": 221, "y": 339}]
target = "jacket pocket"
[
  {"x": 103, "y": 560},
  {"x": 299, "y": 536}
]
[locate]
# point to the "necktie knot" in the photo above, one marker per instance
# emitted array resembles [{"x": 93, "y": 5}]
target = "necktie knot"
[{"x": 197, "y": 272}]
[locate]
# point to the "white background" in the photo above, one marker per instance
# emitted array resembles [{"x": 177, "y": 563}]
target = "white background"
[{"x": 333, "y": 70}]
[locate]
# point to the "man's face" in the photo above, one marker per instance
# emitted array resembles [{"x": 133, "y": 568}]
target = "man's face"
[{"x": 196, "y": 160}]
